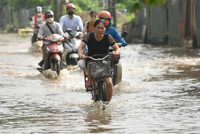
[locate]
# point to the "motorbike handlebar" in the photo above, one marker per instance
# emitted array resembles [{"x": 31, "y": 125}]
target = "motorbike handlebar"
[
  {"x": 97, "y": 59},
  {"x": 46, "y": 38}
]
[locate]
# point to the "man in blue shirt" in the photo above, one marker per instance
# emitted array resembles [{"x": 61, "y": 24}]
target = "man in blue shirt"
[
  {"x": 106, "y": 16},
  {"x": 70, "y": 20}
]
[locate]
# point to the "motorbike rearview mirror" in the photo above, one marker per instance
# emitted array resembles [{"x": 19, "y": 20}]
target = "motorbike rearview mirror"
[
  {"x": 30, "y": 18},
  {"x": 124, "y": 34},
  {"x": 68, "y": 30}
]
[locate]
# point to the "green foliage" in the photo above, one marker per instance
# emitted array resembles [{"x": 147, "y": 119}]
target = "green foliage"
[
  {"x": 154, "y": 2},
  {"x": 130, "y": 5},
  {"x": 130, "y": 16},
  {"x": 120, "y": 6},
  {"x": 53, "y": 7},
  {"x": 78, "y": 10},
  {"x": 3, "y": 3},
  {"x": 81, "y": 5},
  {"x": 20, "y": 4},
  {"x": 88, "y": 4}
]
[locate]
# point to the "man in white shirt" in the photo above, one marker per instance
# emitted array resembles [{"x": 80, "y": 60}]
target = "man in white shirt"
[
  {"x": 70, "y": 20},
  {"x": 50, "y": 27}
]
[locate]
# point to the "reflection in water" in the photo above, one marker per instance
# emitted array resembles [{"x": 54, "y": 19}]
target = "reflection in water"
[
  {"x": 98, "y": 119},
  {"x": 159, "y": 93}
]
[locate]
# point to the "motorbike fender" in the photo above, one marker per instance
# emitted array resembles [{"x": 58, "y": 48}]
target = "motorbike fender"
[
  {"x": 73, "y": 55},
  {"x": 55, "y": 57},
  {"x": 55, "y": 47}
]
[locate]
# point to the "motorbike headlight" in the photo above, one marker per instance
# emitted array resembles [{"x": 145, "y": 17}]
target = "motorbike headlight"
[
  {"x": 48, "y": 49},
  {"x": 61, "y": 49}
]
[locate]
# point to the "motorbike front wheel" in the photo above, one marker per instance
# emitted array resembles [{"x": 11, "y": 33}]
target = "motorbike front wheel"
[
  {"x": 55, "y": 66},
  {"x": 102, "y": 94}
]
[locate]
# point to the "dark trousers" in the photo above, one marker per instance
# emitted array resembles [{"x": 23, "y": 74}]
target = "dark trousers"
[{"x": 45, "y": 57}]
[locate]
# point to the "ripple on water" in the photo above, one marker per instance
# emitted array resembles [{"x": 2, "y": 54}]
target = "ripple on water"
[{"x": 126, "y": 87}]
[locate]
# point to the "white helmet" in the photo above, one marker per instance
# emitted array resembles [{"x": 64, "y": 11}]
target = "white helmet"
[{"x": 38, "y": 9}]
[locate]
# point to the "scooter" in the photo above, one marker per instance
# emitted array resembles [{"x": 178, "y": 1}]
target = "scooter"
[
  {"x": 116, "y": 67},
  {"x": 70, "y": 55},
  {"x": 55, "y": 50}
]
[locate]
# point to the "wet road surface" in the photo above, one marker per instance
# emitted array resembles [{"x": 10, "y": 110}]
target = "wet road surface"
[{"x": 159, "y": 93}]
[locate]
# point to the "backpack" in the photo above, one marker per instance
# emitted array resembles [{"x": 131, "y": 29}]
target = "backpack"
[
  {"x": 35, "y": 18},
  {"x": 87, "y": 26}
]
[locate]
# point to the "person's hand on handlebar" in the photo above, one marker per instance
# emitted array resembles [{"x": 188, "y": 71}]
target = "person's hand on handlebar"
[
  {"x": 82, "y": 56},
  {"x": 66, "y": 37},
  {"x": 41, "y": 38},
  {"x": 119, "y": 45},
  {"x": 114, "y": 53}
]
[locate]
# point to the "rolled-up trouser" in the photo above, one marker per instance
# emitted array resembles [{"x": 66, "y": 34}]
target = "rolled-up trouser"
[{"x": 45, "y": 57}]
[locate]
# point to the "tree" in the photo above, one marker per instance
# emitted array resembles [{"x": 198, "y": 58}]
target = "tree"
[
  {"x": 3, "y": 3},
  {"x": 16, "y": 5}
]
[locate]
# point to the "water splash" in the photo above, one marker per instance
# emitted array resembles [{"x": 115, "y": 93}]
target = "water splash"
[
  {"x": 36, "y": 47},
  {"x": 73, "y": 68},
  {"x": 50, "y": 74},
  {"x": 64, "y": 73}
]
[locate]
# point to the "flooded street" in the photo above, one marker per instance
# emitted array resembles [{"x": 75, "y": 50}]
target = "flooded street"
[{"x": 159, "y": 93}]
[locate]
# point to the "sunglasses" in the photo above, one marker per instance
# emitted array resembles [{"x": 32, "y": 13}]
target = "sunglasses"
[{"x": 50, "y": 16}]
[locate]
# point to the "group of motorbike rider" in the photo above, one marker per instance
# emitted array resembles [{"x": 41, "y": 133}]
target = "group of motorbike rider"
[{"x": 96, "y": 31}]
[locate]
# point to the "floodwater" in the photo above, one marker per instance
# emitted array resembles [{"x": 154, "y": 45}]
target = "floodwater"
[{"x": 159, "y": 93}]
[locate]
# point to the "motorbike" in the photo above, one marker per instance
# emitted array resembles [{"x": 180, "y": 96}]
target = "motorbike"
[
  {"x": 34, "y": 36},
  {"x": 55, "y": 50},
  {"x": 71, "y": 45},
  {"x": 116, "y": 67}
]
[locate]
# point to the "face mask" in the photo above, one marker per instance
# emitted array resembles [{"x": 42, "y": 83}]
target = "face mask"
[
  {"x": 107, "y": 21},
  {"x": 70, "y": 12},
  {"x": 50, "y": 20},
  {"x": 39, "y": 14}
]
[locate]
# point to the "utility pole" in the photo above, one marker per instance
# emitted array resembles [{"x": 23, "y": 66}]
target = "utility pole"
[
  {"x": 110, "y": 6},
  {"x": 60, "y": 4}
]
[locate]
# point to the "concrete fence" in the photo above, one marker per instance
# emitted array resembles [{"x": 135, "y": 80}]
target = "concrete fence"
[{"x": 175, "y": 23}]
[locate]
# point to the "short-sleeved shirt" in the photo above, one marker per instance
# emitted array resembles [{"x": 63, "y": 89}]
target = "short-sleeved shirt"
[
  {"x": 45, "y": 31},
  {"x": 98, "y": 47},
  {"x": 75, "y": 23}
]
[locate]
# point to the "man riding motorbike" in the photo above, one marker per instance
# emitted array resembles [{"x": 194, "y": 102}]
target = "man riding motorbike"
[
  {"x": 70, "y": 20},
  {"x": 50, "y": 27},
  {"x": 98, "y": 43},
  {"x": 106, "y": 16},
  {"x": 70, "y": 23},
  {"x": 36, "y": 21}
]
